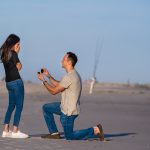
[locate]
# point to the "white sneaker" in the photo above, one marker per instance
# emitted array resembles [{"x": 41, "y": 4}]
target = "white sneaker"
[
  {"x": 6, "y": 134},
  {"x": 19, "y": 135}
]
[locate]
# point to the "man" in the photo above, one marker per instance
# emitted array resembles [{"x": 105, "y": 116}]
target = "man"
[{"x": 68, "y": 109}]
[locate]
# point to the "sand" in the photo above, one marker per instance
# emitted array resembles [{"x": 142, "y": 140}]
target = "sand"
[{"x": 124, "y": 112}]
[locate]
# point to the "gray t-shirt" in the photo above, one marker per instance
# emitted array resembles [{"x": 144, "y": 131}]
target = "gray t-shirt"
[{"x": 70, "y": 97}]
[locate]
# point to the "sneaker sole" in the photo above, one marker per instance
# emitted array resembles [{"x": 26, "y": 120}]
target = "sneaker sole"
[{"x": 19, "y": 137}]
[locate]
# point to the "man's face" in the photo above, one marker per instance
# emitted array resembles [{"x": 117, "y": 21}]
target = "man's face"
[{"x": 64, "y": 61}]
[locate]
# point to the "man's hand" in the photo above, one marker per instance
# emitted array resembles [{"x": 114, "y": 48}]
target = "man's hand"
[
  {"x": 46, "y": 73},
  {"x": 40, "y": 76}
]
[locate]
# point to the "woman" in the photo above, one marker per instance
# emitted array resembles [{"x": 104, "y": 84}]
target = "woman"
[{"x": 12, "y": 65}]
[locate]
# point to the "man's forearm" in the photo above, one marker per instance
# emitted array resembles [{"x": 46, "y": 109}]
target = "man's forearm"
[
  {"x": 53, "y": 90},
  {"x": 49, "y": 87},
  {"x": 53, "y": 81}
]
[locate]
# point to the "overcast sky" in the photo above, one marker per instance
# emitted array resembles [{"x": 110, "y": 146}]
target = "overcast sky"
[{"x": 119, "y": 30}]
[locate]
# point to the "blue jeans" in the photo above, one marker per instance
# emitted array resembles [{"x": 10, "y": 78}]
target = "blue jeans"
[
  {"x": 16, "y": 99},
  {"x": 67, "y": 123}
]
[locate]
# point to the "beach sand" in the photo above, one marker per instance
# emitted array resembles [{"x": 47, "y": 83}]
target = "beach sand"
[{"x": 124, "y": 112}]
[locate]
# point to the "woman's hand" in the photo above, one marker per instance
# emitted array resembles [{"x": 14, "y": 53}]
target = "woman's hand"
[{"x": 19, "y": 66}]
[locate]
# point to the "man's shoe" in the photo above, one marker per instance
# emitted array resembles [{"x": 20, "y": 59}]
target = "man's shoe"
[
  {"x": 6, "y": 134},
  {"x": 101, "y": 134},
  {"x": 19, "y": 135},
  {"x": 51, "y": 136}
]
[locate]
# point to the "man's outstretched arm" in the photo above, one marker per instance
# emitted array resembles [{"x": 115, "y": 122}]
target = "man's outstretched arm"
[
  {"x": 53, "y": 90},
  {"x": 53, "y": 81},
  {"x": 49, "y": 76}
]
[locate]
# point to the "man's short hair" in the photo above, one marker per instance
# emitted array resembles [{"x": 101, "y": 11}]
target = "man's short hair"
[{"x": 73, "y": 58}]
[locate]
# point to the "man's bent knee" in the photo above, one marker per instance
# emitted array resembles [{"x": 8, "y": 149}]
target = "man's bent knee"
[
  {"x": 47, "y": 106},
  {"x": 44, "y": 107}
]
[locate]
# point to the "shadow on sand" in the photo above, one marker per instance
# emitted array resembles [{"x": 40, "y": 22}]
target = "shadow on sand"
[
  {"x": 118, "y": 135},
  {"x": 107, "y": 136}
]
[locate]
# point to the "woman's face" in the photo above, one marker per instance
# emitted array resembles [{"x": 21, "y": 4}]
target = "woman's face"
[{"x": 16, "y": 47}]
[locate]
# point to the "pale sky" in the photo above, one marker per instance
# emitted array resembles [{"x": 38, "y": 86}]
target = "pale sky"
[{"x": 48, "y": 29}]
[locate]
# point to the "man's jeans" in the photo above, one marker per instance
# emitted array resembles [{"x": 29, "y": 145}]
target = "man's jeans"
[
  {"x": 16, "y": 99},
  {"x": 67, "y": 123}
]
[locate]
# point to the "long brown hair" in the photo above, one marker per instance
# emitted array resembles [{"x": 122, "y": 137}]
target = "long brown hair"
[{"x": 5, "y": 50}]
